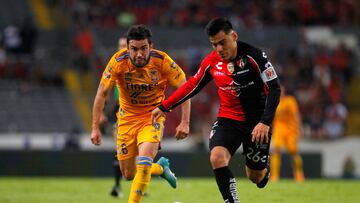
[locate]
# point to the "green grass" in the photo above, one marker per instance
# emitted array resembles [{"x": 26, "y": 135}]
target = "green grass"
[{"x": 195, "y": 190}]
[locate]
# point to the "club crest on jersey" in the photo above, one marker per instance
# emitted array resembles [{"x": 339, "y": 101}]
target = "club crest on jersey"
[
  {"x": 154, "y": 75},
  {"x": 241, "y": 63},
  {"x": 230, "y": 67},
  {"x": 156, "y": 126}
]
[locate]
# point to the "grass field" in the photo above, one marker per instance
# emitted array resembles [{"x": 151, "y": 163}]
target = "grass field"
[{"x": 195, "y": 190}]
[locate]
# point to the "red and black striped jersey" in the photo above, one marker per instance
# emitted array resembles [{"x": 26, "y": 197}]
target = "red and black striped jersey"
[{"x": 248, "y": 86}]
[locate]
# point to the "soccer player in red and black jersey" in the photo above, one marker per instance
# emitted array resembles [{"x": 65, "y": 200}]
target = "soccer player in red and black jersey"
[{"x": 249, "y": 93}]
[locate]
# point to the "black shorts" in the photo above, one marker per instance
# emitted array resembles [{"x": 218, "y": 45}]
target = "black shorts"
[{"x": 231, "y": 134}]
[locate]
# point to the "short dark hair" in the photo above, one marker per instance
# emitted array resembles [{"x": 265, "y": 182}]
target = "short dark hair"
[
  {"x": 138, "y": 32},
  {"x": 218, "y": 24}
]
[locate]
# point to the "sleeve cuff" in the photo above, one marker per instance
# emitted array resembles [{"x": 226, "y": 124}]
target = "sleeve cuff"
[
  {"x": 266, "y": 122},
  {"x": 162, "y": 108}
]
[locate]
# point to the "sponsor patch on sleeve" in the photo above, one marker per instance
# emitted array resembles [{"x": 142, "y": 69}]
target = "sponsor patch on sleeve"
[{"x": 268, "y": 74}]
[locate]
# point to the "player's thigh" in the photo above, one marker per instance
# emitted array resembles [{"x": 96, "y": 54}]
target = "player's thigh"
[
  {"x": 256, "y": 155},
  {"x": 225, "y": 133},
  {"x": 277, "y": 139},
  {"x": 292, "y": 145},
  {"x": 126, "y": 141},
  {"x": 150, "y": 133}
]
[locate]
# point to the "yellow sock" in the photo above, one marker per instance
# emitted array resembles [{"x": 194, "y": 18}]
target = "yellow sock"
[
  {"x": 298, "y": 168},
  {"x": 156, "y": 169},
  {"x": 275, "y": 166},
  {"x": 297, "y": 163},
  {"x": 141, "y": 180}
]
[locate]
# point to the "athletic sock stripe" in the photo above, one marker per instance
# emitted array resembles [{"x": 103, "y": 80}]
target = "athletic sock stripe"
[
  {"x": 144, "y": 158},
  {"x": 145, "y": 163}
]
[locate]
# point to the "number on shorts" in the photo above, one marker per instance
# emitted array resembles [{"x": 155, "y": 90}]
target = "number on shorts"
[{"x": 255, "y": 157}]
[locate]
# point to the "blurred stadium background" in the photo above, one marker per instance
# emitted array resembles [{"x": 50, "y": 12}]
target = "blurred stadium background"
[{"x": 53, "y": 52}]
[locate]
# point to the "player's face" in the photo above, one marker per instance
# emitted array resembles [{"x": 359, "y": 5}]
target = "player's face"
[
  {"x": 139, "y": 51},
  {"x": 225, "y": 44}
]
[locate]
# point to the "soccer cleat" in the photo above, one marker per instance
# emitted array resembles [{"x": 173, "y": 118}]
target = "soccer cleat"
[
  {"x": 115, "y": 192},
  {"x": 299, "y": 176},
  {"x": 265, "y": 180},
  {"x": 167, "y": 174}
]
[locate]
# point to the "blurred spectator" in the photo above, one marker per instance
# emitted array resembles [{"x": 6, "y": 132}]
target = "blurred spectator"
[
  {"x": 28, "y": 34},
  {"x": 12, "y": 39},
  {"x": 349, "y": 168},
  {"x": 72, "y": 139},
  {"x": 3, "y": 59},
  {"x": 335, "y": 116},
  {"x": 341, "y": 62},
  {"x": 252, "y": 14},
  {"x": 84, "y": 44}
]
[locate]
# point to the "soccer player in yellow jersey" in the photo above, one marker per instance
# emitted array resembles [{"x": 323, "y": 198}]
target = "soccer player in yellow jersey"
[
  {"x": 141, "y": 75},
  {"x": 286, "y": 132}
]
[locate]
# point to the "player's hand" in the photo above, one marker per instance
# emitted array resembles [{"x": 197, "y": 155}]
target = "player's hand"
[
  {"x": 182, "y": 130},
  {"x": 260, "y": 133},
  {"x": 96, "y": 136},
  {"x": 155, "y": 115}
]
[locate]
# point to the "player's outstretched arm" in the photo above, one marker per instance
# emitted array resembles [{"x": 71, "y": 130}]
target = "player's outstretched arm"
[
  {"x": 182, "y": 130},
  {"x": 98, "y": 107}
]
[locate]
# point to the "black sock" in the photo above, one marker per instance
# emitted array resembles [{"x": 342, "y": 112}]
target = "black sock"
[
  {"x": 117, "y": 175},
  {"x": 227, "y": 184}
]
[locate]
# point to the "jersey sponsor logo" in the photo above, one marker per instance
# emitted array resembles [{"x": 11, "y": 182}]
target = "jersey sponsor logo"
[
  {"x": 134, "y": 95},
  {"x": 264, "y": 55},
  {"x": 146, "y": 102},
  {"x": 154, "y": 75},
  {"x": 140, "y": 87},
  {"x": 235, "y": 88},
  {"x": 242, "y": 71},
  {"x": 219, "y": 65},
  {"x": 218, "y": 73},
  {"x": 230, "y": 67}
]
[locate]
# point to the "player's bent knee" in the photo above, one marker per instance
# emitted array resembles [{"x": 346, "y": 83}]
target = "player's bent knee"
[
  {"x": 217, "y": 160},
  {"x": 255, "y": 178},
  {"x": 255, "y": 175},
  {"x": 128, "y": 175}
]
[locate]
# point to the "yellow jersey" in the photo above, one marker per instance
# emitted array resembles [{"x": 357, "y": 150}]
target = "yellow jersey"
[
  {"x": 286, "y": 117},
  {"x": 141, "y": 89}
]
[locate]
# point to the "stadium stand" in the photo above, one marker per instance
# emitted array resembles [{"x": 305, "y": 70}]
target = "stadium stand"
[{"x": 317, "y": 70}]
